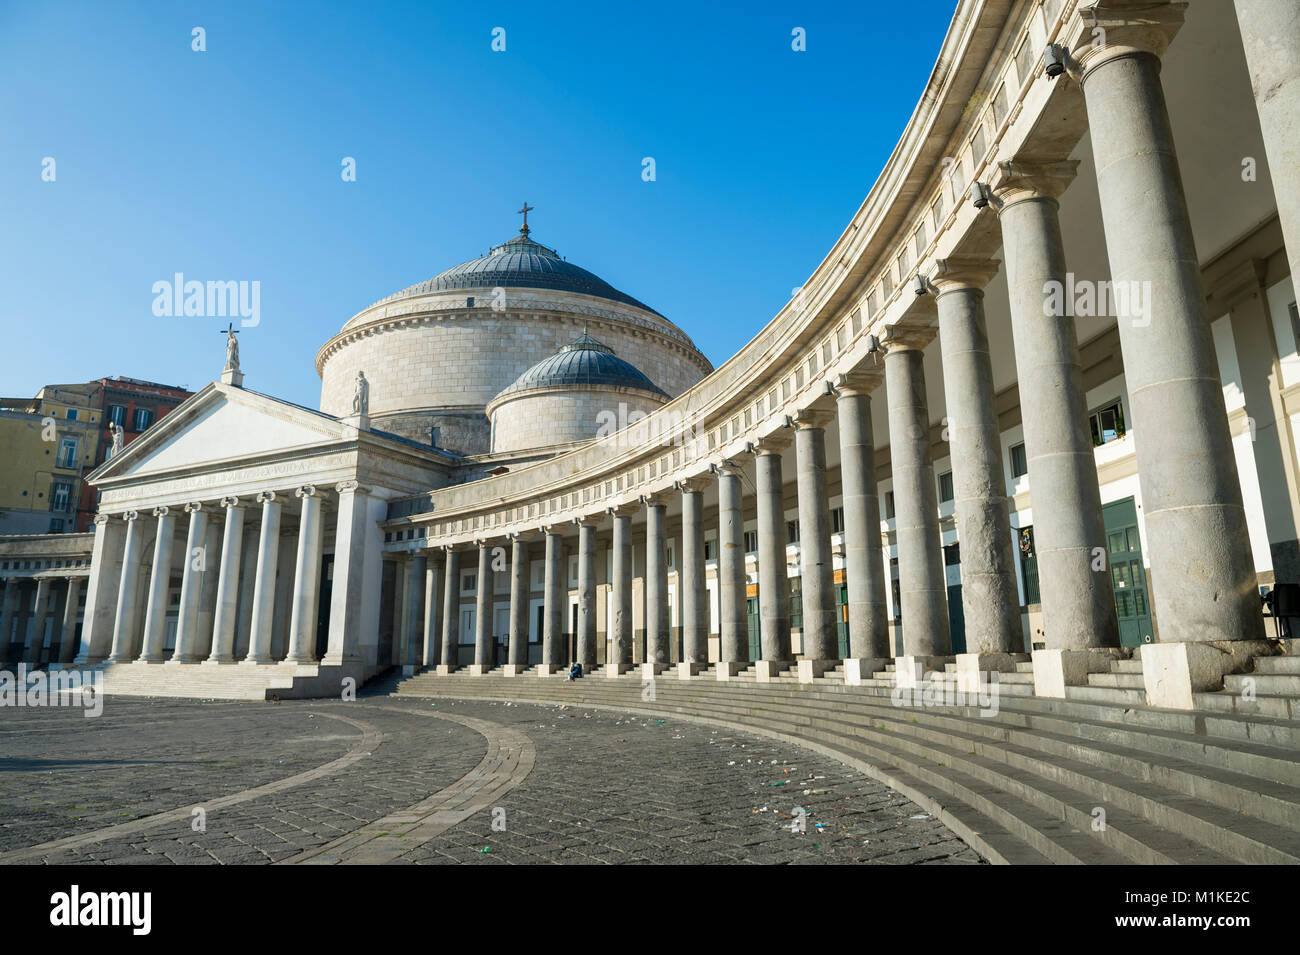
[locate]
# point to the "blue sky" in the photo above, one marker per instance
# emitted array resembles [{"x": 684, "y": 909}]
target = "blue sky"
[{"x": 225, "y": 164}]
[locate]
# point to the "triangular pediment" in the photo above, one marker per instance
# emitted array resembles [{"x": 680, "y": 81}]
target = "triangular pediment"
[{"x": 222, "y": 425}]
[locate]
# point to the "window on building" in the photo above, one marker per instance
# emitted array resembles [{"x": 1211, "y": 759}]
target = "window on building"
[
  {"x": 952, "y": 554},
  {"x": 67, "y": 453},
  {"x": 792, "y": 532},
  {"x": 1106, "y": 424},
  {"x": 1019, "y": 463},
  {"x": 710, "y": 550},
  {"x": 751, "y": 542},
  {"x": 143, "y": 418},
  {"x": 71, "y": 414},
  {"x": 56, "y": 525},
  {"x": 117, "y": 414},
  {"x": 945, "y": 487},
  {"x": 469, "y": 582},
  {"x": 796, "y": 602},
  {"x": 837, "y": 520},
  {"x": 1028, "y": 565},
  {"x": 889, "y": 505},
  {"x": 61, "y": 497},
  {"x": 1295, "y": 321}
]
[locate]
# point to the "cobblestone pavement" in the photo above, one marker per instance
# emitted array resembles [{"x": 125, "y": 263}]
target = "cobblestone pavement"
[{"x": 281, "y": 781}]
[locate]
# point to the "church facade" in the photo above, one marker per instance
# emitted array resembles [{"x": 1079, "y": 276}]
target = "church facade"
[{"x": 1034, "y": 413}]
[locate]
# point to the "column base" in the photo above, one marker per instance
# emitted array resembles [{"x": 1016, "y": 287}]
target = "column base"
[
  {"x": 256, "y": 661},
  {"x": 858, "y": 670},
  {"x": 910, "y": 669},
  {"x": 312, "y": 661},
  {"x": 513, "y": 669},
  {"x": 445, "y": 669},
  {"x": 550, "y": 669},
  {"x": 810, "y": 670},
  {"x": 1054, "y": 670},
  {"x": 727, "y": 669},
  {"x": 687, "y": 670},
  {"x": 651, "y": 670},
  {"x": 151, "y": 661},
  {"x": 409, "y": 669},
  {"x": 217, "y": 661},
  {"x": 616, "y": 669},
  {"x": 971, "y": 665},
  {"x": 478, "y": 669},
  {"x": 1173, "y": 673},
  {"x": 765, "y": 671}
]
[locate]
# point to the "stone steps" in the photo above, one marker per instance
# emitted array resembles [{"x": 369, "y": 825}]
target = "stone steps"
[
  {"x": 233, "y": 681},
  {"x": 1264, "y": 684},
  {"x": 1283, "y": 664},
  {"x": 1032, "y": 775}
]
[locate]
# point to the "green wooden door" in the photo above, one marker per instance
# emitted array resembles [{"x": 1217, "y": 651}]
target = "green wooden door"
[
  {"x": 1124, "y": 557},
  {"x": 755, "y": 630},
  {"x": 956, "y": 619},
  {"x": 842, "y": 622}
]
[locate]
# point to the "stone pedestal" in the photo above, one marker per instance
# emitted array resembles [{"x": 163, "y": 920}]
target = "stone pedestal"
[
  {"x": 513, "y": 669},
  {"x": 359, "y": 421},
  {"x": 765, "y": 671},
  {"x": 233, "y": 377},
  {"x": 445, "y": 669},
  {"x": 478, "y": 669},
  {"x": 548, "y": 669},
  {"x": 1056, "y": 669},
  {"x": 651, "y": 670},
  {"x": 617, "y": 669},
  {"x": 810, "y": 670},
  {"x": 858, "y": 670},
  {"x": 730, "y": 668},
  {"x": 687, "y": 670},
  {"x": 971, "y": 665},
  {"x": 1173, "y": 672},
  {"x": 910, "y": 670}
]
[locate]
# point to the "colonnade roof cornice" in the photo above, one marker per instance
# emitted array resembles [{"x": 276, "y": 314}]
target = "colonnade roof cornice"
[{"x": 1116, "y": 28}]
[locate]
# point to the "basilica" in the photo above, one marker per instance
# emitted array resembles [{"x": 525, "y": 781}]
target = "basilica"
[{"x": 928, "y": 459}]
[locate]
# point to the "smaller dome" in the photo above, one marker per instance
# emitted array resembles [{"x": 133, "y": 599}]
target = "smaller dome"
[{"x": 584, "y": 361}]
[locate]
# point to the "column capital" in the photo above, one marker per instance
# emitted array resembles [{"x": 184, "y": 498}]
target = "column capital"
[
  {"x": 229, "y": 502},
  {"x": 695, "y": 484},
  {"x": 193, "y": 506},
  {"x": 101, "y": 518},
  {"x": 860, "y": 381},
  {"x": 727, "y": 468},
  {"x": 589, "y": 520},
  {"x": 265, "y": 497},
  {"x": 307, "y": 490},
  {"x": 130, "y": 515},
  {"x": 520, "y": 537},
  {"x": 899, "y": 338},
  {"x": 551, "y": 530},
  {"x": 657, "y": 499},
  {"x": 1017, "y": 180},
  {"x": 773, "y": 443},
  {"x": 808, "y": 418},
  {"x": 161, "y": 511},
  {"x": 1119, "y": 28},
  {"x": 959, "y": 272},
  {"x": 351, "y": 487},
  {"x": 626, "y": 509}
]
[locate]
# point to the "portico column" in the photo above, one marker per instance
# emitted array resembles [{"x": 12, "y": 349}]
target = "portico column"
[
  {"x": 864, "y": 570},
  {"x": 923, "y": 591},
  {"x": 412, "y": 641},
  {"x": 68, "y": 638},
  {"x": 1270, "y": 34},
  {"x": 484, "y": 648},
  {"x": 1078, "y": 603},
  {"x": 658, "y": 629},
  {"x": 268, "y": 555},
  {"x": 36, "y": 626},
  {"x": 990, "y": 599},
  {"x": 586, "y": 636},
  {"x": 733, "y": 620},
  {"x": 553, "y": 615},
  {"x": 450, "y": 612},
  {"x": 773, "y": 578},
  {"x": 352, "y": 525},
  {"x": 306, "y": 580},
  {"x": 196, "y": 566},
  {"x": 621, "y": 627},
  {"x": 7, "y": 613},
  {"x": 101, "y": 592},
  {"x": 694, "y": 596},
  {"x": 816, "y": 571},
  {"x": 517, "y": 659},
  {"x": 155, "y": 611},
  {"x": 432, "y": 630},
  {"x": 124, "y": 621},
  {"x": 1203, "y": 583},
  {"x": 223, "y": 625}
]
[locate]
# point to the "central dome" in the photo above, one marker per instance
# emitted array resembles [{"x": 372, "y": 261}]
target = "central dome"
[
  {"x": 583, "y": 362},
  {"x": 520, "y": 263}
]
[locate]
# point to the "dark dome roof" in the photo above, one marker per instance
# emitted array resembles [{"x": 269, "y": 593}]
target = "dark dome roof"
[
  {"x": 582, "y": 362},
  {"x": 520, "y": 263}
]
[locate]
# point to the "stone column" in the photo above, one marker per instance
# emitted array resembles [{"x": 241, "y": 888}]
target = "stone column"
[
  {"x": 864, "y": 569},
  {"x": 160, "y": 579},
  {"x": 416, "y": 589},
  {"x": 658, "y": 627},
  {"x": 402, "y": 586},
  {"x": 732, "y": 619},
  {"x": 101, "y": 592},
  {"x": 7, "y": 614},
  {"x": 553, "y": 617},
  {"x": 268, "y": 555},
  {"x": 68, "y": 639},
  {"x": 1078, "y": 603},
  {"x": 432, "y": 629},
  {"x": 923, "y": 591},
  {"x": 773, "y": 578},
  {"x": 209, "y": 579},
  {"x": 517, "y": 659},
  {"x": 694, "y": 595},
  {"x": 621, "y": 627},
  {"x": 196, "y": 563},
  {"x": 816, "y": 568},
  {"x": 36, "y": 626},
  {"x": 450, "y": 613},
  {"x": 586, "y": 636},
  {"x": 124, "y": 621},
  {"x": 306, "y": 580},
  {"x": 484, "y": 644},
  {"x": 990, "y": 599},
  {"x": 223, "y": 624},
  {"x": 347, "y": 590},
  {"x": 1270, "y": 34}
]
